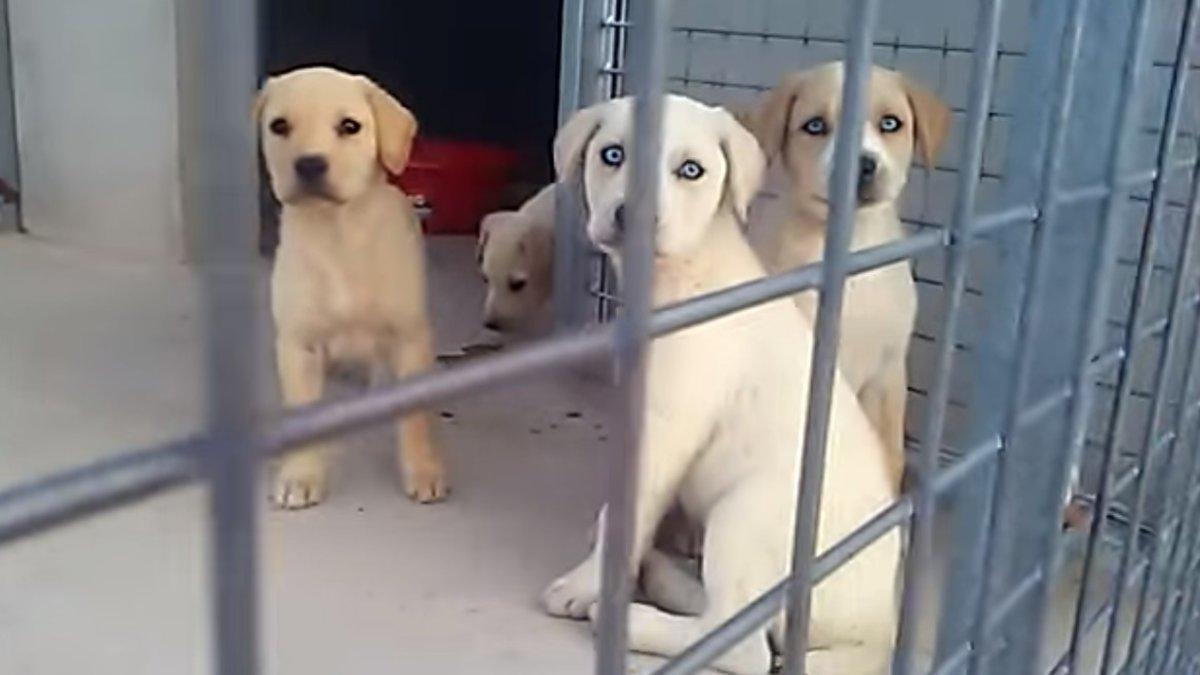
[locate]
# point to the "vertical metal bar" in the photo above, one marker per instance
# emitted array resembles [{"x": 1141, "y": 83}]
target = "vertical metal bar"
[
  {"x": 1187, "y": 537},
  {"x": 1097, "y": 302},
  {"x": 1140, "y": 302},
  {"x": 647, "y": 76},
  {"x": 1187, "y": 619},
  {"x": 1030, "y": 307},
  {"x": 578, "y": 84},
  {"x": 1181, "y": 538},
  {"x": 218, "y": 43},
  {"x": 8, "y": 99},
  {"x": 1176, "y": 308},
  {"x": 847, "y": 147},
  {"x": 987, "y": 36}
]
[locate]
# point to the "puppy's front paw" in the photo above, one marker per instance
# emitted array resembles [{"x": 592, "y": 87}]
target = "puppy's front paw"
[
  {"x": 300, "y": 484},
  {"x": 426, "y": 482},
  {"x": 572, "y": 595}
]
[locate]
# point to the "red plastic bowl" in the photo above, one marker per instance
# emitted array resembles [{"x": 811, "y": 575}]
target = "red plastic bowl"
[{"x": 458, "y": 181}]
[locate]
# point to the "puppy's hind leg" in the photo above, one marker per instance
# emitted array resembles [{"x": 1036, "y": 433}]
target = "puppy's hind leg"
[
  {"x": 738, "y": 568},
  {"x": 671, "y": 587},
  {"x": 666, "y": 452}
]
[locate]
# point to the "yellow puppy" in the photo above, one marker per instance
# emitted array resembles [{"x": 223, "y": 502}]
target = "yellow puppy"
[
  {"x": 795, "y": 126},
  {"x": 349, "y": 277}
]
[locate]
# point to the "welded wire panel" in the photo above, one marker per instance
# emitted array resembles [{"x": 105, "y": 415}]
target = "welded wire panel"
[{"x": 921, "y": 551}]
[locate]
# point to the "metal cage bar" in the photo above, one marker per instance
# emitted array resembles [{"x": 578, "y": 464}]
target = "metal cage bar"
[
  {"x": 1029, "y": 297},
  {"x": 228, "y": 454},
  {"x": 1176, "y": 308},
  {"x": 847, "y": 143},
  {"x": 987, "y": 38},
  {"x": 1183, "y": 552},
  {"x": 648, "y": 21},
  {"x": 1097, "y": 301},
  {"x": 225, "y": 61},
  {"x": 1180, "y": 524}
]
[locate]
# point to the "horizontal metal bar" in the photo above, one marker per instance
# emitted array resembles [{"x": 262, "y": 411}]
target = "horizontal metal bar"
[
  {"x": 764, "y": 608},
  {"x": 722, "y": 638},
  {"x": 947, "y": 478},
  {"x": 941, "y": 48},
  {"x": 67, "y": 496},
  {"x": 862, "y": 537},
  {"x": 991, "y": 222},
  {"x": 1126, "y": 479},
  {"x": 142, "y": 473},
  {"x": 808, "y": 277},
  {"x": 327, "y": 419}
]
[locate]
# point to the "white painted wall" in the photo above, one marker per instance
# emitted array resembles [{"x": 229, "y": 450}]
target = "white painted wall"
[{"x": 97, "y": 104}]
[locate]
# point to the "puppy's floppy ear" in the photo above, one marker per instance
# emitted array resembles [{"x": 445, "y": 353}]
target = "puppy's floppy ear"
[
  {"x": 395, "y": 127},
  {"x": 931, "y": 120},
  {"x": 485, "y": 232},
  {"x": 572, "y": 141},
  {"x": 260, "y": 102},
  {"x": 772, "y": 121},
  {"x": 744, "y": 164},
  {"x": 744, "y": 113},
  {"x": 537, "y": 242}
]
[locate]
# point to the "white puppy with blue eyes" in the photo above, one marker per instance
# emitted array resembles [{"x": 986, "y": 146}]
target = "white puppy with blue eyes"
[{"x": 725, "y": 407}]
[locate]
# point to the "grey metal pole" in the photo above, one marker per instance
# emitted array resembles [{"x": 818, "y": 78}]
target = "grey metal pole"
[
  {"x": 647, "y": 74},
  {"x": 1176, "y": 308},
  {"x": 1097, "y": 301},
  {"x": 1029, "y": 310},
  {"x": 847, "y": 147},
  {"x": 220, "y": 48},
  {"x": 1180, "y": 503},
  {"x": 987, "y": 36}
]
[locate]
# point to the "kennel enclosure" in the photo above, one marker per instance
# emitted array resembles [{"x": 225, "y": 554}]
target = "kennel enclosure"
[{"x": 1053, "y": 247}]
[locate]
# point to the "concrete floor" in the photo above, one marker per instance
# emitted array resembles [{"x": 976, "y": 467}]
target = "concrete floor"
[{"x": 98, "y": 356}]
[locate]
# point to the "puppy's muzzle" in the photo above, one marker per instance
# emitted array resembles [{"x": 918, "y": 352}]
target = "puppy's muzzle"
[
  {"x": 868, "y": 171},
  {"x": 616, "y": 231},
  {"x": 311, "y": 169}
]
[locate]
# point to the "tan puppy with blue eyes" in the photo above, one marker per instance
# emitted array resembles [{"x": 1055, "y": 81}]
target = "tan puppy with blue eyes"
[
  {"x": 795, "y": 126},
  {"x": 725, "y": 404},
  {"x": 349, "y": 277}
]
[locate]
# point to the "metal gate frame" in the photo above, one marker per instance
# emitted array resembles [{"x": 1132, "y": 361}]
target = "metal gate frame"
[{"x": 1003, "y": 615}]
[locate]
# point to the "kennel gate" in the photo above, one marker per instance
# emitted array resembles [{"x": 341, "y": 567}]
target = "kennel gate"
[{"x": 1077, "y": 326}]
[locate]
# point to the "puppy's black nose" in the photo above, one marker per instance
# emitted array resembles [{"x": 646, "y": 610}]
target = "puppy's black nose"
[
  {"x": 492, "y": 324},
  {"x": 311, "y": 168},
  {"x": 867, "y": 166},
  {"x": 619, "y": 218}
]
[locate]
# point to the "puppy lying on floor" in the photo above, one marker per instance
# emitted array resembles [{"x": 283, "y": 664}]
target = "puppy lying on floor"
[
  {"x": 515, "y": 255},
  {"x": 795, "y": 126},
  {"x": 349, "y": 276},
  {"x": 725, "y": 406}
]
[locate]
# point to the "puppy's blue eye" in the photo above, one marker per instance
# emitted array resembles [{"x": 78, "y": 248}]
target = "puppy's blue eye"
[
  {"x": 690, "y": 170},
  {"x": 889, "y": 124},
  {"x": 816, "y": 127},
  {"x": 612, "y": 155}
]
